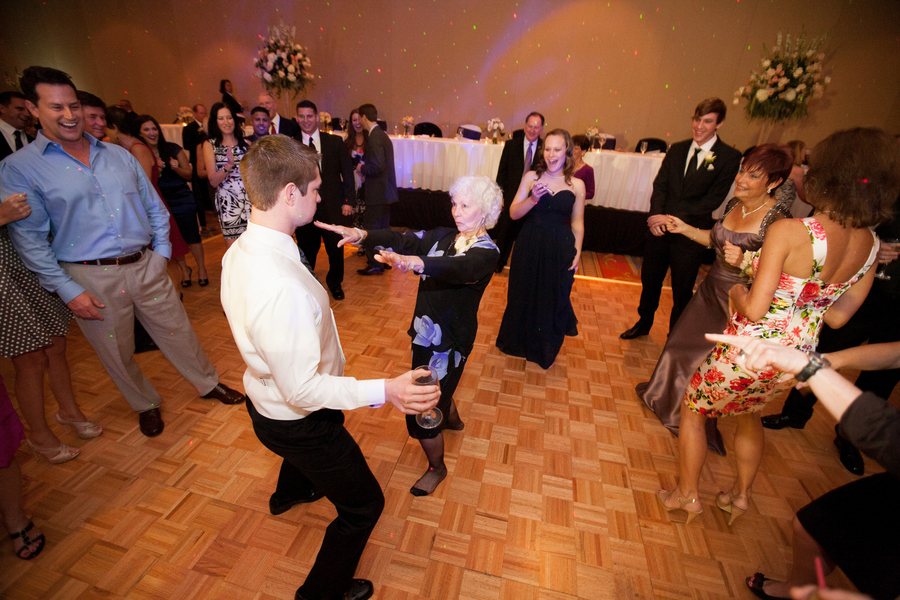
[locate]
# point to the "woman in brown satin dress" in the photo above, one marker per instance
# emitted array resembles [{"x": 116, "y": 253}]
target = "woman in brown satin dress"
[{"x": 742, "y": 228}]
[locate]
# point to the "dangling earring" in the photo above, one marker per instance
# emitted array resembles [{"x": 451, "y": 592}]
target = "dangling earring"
[{"x": 769, "y": 191}]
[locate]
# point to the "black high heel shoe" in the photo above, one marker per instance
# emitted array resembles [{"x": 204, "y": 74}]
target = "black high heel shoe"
[
  {"x": 187, "y": 282},
  {"x": 203, "y": 282}
]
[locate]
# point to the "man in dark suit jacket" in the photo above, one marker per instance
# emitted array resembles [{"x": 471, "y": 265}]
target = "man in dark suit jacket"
[
  {"x": 277, "y": 123},
  {"x": 509, "y": 176},
  {"x": 14, "y": 117},
  {"x": 692, "y": 182},
  {"x": 192, "y": 138},
  {"x": 380, "y": 187},
  {"x": 338, "y": 195}
]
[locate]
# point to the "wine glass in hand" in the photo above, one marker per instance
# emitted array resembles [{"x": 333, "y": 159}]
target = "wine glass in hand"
[
  {"x": 881, "y": 272},
  {"x": 430, "y": 418}
]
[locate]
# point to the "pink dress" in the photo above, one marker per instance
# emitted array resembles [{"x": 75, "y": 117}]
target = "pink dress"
[{"x": 719, "y": 387}]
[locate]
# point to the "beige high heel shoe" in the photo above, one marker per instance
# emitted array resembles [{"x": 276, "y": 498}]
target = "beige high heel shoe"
[
  {"x": 733, "y": 511},
  {"x": 662, "y": 496},
  {"x": 55, "y": 456},
  {"x": 85, "y": 429}
]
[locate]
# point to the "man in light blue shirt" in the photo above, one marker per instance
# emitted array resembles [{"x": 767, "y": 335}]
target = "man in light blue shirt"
[{"x": 96, "y": 206}]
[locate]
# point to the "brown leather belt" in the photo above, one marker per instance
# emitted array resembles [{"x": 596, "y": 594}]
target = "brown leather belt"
[{"x": 116, "y": 260}]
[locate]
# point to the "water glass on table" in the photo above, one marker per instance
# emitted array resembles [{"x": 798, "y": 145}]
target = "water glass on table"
[
  {"x": 643, "y": 147},
  {"x": 881, "y": 272},
  {"x": 430, "y": 418}
]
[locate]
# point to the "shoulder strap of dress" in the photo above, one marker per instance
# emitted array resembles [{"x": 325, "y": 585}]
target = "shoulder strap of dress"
[
  {"x": 818, "y": 239},
  {"x": 730, "y": 206}
]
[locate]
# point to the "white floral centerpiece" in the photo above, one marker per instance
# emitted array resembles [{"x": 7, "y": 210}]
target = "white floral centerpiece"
[
  {"x": 407, "y": 123},
  {"x": 789, "y": 77},
  {"x": 496, "y": 128},
  {"x": 283, "y": 64},
  {"x": 324, "y": 121},
  {"x": 185, "y": 115}
]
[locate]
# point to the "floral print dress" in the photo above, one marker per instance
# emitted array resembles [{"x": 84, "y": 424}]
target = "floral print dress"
[
  {"x": 232, "y": 204},
  {"x": 719, "y": 387}
]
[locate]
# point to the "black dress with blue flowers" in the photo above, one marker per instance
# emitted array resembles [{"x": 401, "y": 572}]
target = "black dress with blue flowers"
[{"x": 445, "y": 320}]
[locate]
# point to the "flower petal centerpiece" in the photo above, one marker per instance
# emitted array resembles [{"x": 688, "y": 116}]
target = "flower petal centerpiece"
[
  {"x": 789, "y": 76},
  {"x": 283, "y": 64}
]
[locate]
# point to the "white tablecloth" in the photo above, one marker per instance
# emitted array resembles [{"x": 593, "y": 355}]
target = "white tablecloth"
[
  {"x": 622, "y": 180},
  {"x": 173, "y": 133}
]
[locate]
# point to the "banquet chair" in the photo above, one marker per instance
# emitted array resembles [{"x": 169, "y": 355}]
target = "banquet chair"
[
  {"x": 335, "y": 124},
  {"x": 653, "y": 144},
  {"x": 609, "y": 144},
  {"x": 382, "y": 124},
  {"x": 427, "y": 128},
  {"x": 470, "y": 132}
]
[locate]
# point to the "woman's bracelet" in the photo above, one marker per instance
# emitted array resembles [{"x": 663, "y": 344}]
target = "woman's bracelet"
[{"x": 360, "y": 233}]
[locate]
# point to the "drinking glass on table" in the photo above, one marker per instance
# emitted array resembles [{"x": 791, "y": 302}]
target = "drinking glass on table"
[
  {"x": 603, "y": 137},
  {"x": 881, "y": 272},
  {"x": 643, "y": 147},
  {"x": 430, "y": 418}
]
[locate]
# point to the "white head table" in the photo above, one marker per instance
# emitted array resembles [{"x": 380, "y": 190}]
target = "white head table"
[{"x": 623, "y": 180}]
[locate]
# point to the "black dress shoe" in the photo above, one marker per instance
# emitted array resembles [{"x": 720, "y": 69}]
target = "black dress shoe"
[
  {"x": 337, "y": 293},
  {"x": 781, "y": 421},
  {"x": 850, "y": 456},
  {"x": 638, "y": 330},
  {"x": 151, "y": 422},
  {"x": 225, "y": 394},
  {"x": 278, "y": 505},
  {"x": 371, "y": 270},
  {"x": 360, "y": 589}
]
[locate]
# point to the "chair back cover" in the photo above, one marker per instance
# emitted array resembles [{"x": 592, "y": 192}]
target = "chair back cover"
[
  {"x": 427, "y": 128},
  {"x": 653, "y": 144}
]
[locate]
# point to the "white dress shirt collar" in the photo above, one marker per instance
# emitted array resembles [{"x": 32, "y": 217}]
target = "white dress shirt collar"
[
  {"x": 276, "y": 121},
  {"x": 317, "y": 139},
  {"x": 704, "y": 150},
  {"x": 533, "y": 149},
  {"x": 9, "y": 132}
]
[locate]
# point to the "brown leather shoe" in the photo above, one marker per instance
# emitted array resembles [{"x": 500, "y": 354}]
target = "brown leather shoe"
[
  {"x": 151, "y": 422},
  {"x": 225, "y": 394}
]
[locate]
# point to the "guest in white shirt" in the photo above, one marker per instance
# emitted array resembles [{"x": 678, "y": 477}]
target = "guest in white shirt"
[
  {"x": 285, "y": 331},
  {"x": 14, "y": 118}
]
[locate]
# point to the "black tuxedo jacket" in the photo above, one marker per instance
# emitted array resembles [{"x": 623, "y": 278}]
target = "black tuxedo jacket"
[
  {"x": 380, "y": 186},
  {"x": 5, "y": 150},
  {"x": 192, "y": 137},
  {"x": 288, "y": 127},
  {"x": 338, "y": 187},
  {"x": 512, "y": 166},
  {"x": 693, "y": 199}
]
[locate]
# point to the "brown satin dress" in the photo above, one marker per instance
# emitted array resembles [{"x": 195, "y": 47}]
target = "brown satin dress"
[{"x": 707, "y": 312}]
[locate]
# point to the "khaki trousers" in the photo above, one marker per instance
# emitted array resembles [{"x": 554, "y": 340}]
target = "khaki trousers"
[{"x": 142, "y": 290}]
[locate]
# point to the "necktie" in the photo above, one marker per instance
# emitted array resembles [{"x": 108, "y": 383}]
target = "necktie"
[
  {"x": 529, "y": 156},
  {"x": 692, "y": 165},
  {"x": 312, "y": 144},
  {"x": 272, "y": 129},
  {"x": 18, "y": 137},
  {"x": 304, "y": 261}
]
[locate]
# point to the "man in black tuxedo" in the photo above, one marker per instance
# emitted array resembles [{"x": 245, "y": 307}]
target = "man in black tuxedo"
[
  {"x": 193, "y": 137},
  {"x": 259, "y": 119},
  {"x": 520, "y": 155},
  {"x": 277, "y": 123},
  {"x": 338, "y": 194},
  {"x": 692, "y": 182},
  {"x": 14, "y": 117},
  {"x": 380, "y": 186}
]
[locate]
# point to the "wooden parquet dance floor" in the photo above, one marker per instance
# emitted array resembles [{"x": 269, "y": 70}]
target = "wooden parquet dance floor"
[{"x": 549, "y": 494}]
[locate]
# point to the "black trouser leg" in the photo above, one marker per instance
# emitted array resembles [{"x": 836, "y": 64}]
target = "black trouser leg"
[
  {"x": 685, "y": 258},
  {"x": 375, "y": 217},
  {"x": 653, "y": 273}
]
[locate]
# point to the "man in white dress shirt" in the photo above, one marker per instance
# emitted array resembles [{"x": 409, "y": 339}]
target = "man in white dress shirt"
[
  {"x": 14, "y": 117},
  {"x": 284, "y": 328}
]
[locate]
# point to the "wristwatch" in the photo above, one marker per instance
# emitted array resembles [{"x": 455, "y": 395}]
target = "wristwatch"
[{"x": 816, "y": 362}]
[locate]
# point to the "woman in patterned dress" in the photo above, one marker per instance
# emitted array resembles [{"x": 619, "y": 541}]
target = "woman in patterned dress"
[
  {"x": 455, "y": 266},
  {"x": 852, "y": 183},
  {"x": 224, "y": 149},
  {"x": 33, "y": 328},
  {"x": 357, "y": 137}
]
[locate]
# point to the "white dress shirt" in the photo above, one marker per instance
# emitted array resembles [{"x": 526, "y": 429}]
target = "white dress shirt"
[
  {"x": 285, "y": 331},
  {"x": 525, "y": 152},
  {"x": 704, "y": 150},
  {"x": 275, "y": 122},
  {"x": 9, "y": 132},
  {"x": 316, "y": 138}
]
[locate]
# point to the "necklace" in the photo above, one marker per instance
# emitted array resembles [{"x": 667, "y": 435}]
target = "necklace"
[{"x": 745, "y": 212}]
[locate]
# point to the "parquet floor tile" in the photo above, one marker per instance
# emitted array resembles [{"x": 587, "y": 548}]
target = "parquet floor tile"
[{"x": 549, "y": 494}]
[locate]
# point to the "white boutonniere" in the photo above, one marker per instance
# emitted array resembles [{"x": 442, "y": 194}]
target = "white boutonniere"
[{"x": 708, "y": 161}]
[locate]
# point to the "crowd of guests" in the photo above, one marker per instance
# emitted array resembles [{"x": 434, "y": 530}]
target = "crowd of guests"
[{"x": 290, "y": 187}]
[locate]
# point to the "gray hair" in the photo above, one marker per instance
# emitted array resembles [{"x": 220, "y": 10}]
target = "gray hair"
[{"x": 482, "y": 191}]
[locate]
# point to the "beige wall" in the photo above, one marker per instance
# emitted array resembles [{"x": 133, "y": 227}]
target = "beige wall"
[{"x": 629, "y": 67}]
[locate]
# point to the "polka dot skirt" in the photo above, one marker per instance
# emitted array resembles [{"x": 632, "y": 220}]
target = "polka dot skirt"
[{"x": 29, "y": 314}]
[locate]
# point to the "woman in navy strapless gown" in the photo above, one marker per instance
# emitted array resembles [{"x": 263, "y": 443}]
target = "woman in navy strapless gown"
[{"x": 539, "y": 312}]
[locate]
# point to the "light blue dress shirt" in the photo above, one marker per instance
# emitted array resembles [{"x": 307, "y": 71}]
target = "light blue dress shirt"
[{"x": 81, "y": 212}]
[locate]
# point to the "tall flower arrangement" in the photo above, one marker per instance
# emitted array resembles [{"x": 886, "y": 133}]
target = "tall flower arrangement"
[
  {"x": 283, "y": 64},
  {"x": 789, "y": 77}
]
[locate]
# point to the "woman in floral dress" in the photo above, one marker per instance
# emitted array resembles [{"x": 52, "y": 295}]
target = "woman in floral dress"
[
  {"x": 225, "y": 149},
  {"x": 455, "y": 268},
  {"x": 811, "y": 271}
]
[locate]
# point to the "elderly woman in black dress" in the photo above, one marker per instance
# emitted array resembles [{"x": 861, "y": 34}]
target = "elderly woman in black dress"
[{"x": 455, "y": 266}]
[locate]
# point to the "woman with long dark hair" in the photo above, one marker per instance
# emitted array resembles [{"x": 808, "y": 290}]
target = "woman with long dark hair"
[
  {"x": 357, "y": 137},
  {"x": 225, "y": 148},
  {"x": 539, "y": 312},
  {"x": 176, "y": 172}
]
